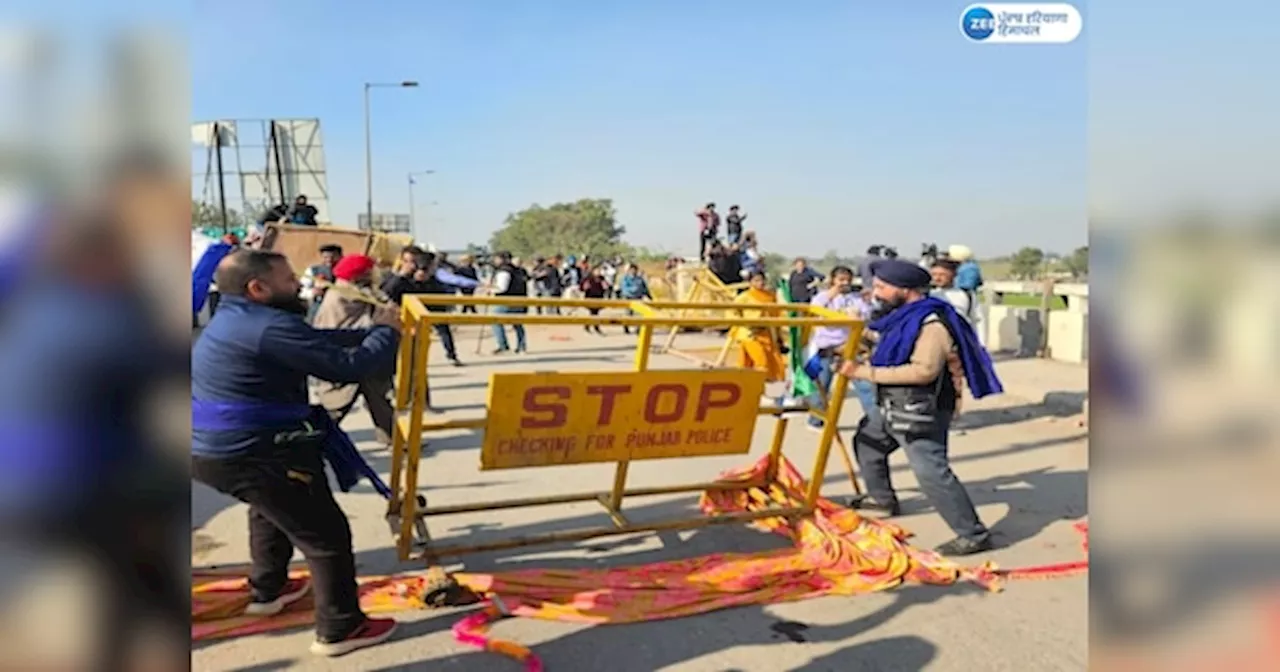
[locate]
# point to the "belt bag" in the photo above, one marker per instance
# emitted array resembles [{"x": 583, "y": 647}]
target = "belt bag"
[{"x": 911, "y": 410}]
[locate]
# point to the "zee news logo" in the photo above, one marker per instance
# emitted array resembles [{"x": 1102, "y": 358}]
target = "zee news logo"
[{"x": 1026, "y": 23}]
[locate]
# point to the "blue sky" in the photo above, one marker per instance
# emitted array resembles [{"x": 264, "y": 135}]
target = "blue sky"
[{"x": 834, "y": 124}]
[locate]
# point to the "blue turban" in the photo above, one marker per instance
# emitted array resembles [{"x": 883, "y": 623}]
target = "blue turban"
[{"x": 903, "y": 274}]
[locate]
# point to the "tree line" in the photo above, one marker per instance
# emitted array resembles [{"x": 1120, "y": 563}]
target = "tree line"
[{"x": 589, "y": 226}]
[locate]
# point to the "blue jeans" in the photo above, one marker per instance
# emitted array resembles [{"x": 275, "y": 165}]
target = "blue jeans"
[
  {"x": 864, "y": 389},
  {"x": 873, "y": 443},
  {"x": 866, "y": 392},
  {"x": 500, "y": 334}
]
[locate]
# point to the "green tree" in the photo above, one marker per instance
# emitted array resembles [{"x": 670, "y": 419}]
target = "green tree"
[
  {"x": 1028, "y": 263},
  {"x": 207, "y": 216},
  {"x": 776, "y": 265},
  {"x": 1078, "y": 262},
  {"x": 828, "y": 261},
  {"x": 587, "y": 227}
]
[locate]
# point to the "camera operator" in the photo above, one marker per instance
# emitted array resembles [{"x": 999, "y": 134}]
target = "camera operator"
[
  {"x": 402, "y": 281},
  {"x": 928, "y": 255}
]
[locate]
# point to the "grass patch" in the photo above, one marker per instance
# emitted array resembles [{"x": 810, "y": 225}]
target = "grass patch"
[{"x": 1028, "y": 301}]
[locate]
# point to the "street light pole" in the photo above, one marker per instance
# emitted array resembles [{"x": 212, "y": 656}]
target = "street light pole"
[
  {"x": 368, "y": 145},
  {"x": 368, "y": 160},
  {"x": 412, "y": 217}
]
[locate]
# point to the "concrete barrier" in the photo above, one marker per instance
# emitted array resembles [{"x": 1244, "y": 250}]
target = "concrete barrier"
[{"x": 1028, "y": 331}]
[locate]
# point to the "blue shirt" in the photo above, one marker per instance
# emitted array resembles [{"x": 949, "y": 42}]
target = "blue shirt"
[
  {"x": 251, "y": 352},
  {"x": 969, "y": 276},
  {"x": 634, "y": 287}
]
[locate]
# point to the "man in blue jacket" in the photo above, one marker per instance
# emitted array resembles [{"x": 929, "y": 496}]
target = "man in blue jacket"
[{"x": 255, "y": 438}]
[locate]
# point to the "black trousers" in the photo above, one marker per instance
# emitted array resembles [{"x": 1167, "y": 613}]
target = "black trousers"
[
  {"x": 446, "y": 339},
  {"x": 705, "y": 238},
  {"x": 291, "y": 505}
]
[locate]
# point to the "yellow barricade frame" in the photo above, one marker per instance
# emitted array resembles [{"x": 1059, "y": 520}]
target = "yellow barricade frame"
[
  {"x": 411, "y": 395},
  {"x": 704, "y": 284}
]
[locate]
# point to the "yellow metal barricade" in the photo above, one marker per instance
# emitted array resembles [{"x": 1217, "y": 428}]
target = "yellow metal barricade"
[
  {"x": 558, "y": 419},
  {"x": 704, "y": 288}
]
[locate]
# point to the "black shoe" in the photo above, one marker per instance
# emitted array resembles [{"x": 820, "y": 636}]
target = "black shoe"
[
  {"x": 501, "y": 351},
  {"x": 455, "y": 361},
  {"x": 867, "y": 503},
  {"x": 964, "y": 546}
]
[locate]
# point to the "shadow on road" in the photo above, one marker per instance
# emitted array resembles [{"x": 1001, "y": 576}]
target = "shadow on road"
[
  {"x": 1035, "y": 500},
  {"x": 893, "y": 654},
  {"x": 654, "y": 645},
  {"x": 1056, "y": 405},
  {"x": 973, "y": 457}
]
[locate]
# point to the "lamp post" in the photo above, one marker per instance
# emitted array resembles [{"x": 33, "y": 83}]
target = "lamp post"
[
  {"x": 412, "y": 217},
  {"x": 368, "y": 142}
]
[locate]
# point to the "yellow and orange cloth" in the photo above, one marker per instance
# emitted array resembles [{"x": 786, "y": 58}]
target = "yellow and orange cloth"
[{"x": 835, "y": 552}]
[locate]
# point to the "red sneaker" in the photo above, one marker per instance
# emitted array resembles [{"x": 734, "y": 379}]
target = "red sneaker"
[
  {"x": 372, "y": 631},
  {"x": 294, "y": 590}
]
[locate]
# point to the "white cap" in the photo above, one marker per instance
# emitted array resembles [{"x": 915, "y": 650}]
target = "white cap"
[
  {"x": 431, "y": 248},
  {"x": 959, "y": 253}
]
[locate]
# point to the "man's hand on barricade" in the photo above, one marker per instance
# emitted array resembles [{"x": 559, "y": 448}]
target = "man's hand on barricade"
[
  {"x": 388, "y": 316},
  {"x": 855, "y": 370}
]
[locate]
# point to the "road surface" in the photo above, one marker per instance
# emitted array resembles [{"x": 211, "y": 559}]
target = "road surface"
[{"x": 1024, "y": 461}]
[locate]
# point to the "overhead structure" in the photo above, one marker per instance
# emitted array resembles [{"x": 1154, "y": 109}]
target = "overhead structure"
[{"x": 252, "y": 164}]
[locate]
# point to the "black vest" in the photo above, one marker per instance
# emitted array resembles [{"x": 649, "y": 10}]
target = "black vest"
[
  {"x": 938, "y": 395},
  {"x": 519, "y": 284}
]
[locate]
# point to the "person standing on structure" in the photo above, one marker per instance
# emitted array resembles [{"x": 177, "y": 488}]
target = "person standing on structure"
[
  {"x": 708, "y": 228},
  {"x": 733, "y": 225}
]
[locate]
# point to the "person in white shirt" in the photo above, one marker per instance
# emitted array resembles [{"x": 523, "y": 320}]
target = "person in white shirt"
[
  {"x": 943, "y": 274},
  {"x": 610, "y": 273}
]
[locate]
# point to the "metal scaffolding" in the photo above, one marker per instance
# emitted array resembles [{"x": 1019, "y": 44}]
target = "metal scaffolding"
[{"x": 269, "y": 161}]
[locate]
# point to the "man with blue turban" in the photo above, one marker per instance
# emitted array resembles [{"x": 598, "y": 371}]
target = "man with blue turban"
[{"x": 917, "y": 395}]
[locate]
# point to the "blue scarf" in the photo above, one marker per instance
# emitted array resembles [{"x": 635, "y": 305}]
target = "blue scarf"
[
  {"x": 899, "y": 330},
  {"x": 202, "y": 274},
  {"x": 341, "y": 454}
]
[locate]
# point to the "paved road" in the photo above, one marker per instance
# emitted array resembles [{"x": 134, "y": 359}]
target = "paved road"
[{"x": 1025, "y": 463}]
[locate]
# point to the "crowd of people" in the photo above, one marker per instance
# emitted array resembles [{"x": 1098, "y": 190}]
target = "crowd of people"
[{"x": 280, "y": 340}]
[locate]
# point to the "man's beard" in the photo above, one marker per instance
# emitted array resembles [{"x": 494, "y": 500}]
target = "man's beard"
[
  {"x": 289, "y": 303},
  {"x": 881, "y": 307}
]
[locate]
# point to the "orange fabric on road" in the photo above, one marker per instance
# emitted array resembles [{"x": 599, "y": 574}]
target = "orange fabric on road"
[{"x": 835, "y": 552}]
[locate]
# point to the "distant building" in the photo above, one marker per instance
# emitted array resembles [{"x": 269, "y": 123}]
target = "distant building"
[{"x": 385, "y": 223}]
